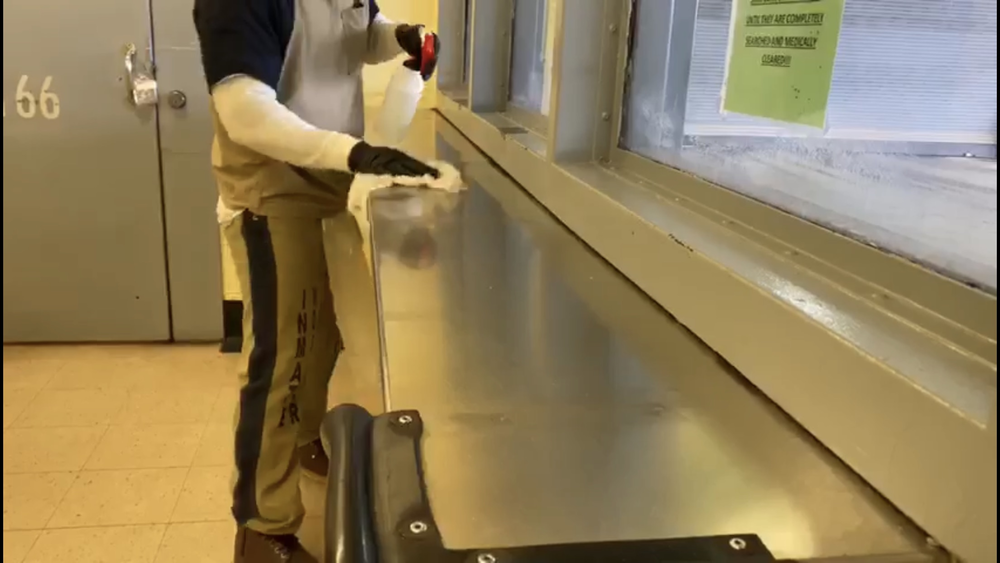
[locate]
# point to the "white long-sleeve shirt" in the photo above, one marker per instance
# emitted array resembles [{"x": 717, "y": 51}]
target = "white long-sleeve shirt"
[{"x": 272, "y": 86}]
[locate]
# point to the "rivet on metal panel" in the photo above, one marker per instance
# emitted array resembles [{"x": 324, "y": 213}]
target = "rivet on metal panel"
[
  {"x": 418, "y": 528},
  {"x": 606, "y": 116},
  {"x": 739, "y": 544},
  {"x": 486, "y": 558},
  {"x": 613, "y": 28}
]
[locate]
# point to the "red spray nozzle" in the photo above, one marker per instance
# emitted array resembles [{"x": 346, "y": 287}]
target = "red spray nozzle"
[{"x": 428, "y": 57}]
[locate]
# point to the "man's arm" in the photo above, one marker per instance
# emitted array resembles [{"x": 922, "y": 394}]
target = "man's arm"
[
  {"x": 382, "y": 42},
  {"x": 254, "y": 118},
  {"x": 242, "y": 45}
]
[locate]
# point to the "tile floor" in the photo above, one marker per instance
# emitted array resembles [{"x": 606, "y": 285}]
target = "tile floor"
[{"x": 120, "y": 454}]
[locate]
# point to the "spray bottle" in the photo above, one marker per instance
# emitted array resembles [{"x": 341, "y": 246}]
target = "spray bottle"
[{"x": 403, "y": 94}]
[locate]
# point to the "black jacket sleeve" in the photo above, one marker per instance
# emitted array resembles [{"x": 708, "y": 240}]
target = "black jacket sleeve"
[{"x": 241, "y": 37}]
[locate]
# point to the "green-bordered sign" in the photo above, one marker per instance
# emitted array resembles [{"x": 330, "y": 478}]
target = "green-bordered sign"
[{"x": 781, "y": 56}]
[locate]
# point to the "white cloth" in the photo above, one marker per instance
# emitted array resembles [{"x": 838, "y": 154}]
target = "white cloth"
[{"x": 450, "y": 180}]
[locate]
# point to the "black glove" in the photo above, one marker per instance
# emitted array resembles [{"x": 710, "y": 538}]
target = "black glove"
[
  {"x": 383, "y": 161},
  {"x": 411, "y": 39}
]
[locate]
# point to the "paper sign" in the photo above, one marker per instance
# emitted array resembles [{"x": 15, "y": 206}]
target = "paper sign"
[{"x": 781, "y": 56}]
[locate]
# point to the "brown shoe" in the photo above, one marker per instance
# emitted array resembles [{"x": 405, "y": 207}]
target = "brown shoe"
[
  {"x": 252, "y": 547},
  {"x": 315, "y": 463}
]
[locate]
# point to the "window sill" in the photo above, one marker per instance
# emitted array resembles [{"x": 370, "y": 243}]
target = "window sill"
[{"x": 903, "y": 394}]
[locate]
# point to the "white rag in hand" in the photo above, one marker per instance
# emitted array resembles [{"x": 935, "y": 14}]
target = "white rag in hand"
[{"x": 449, "y": 180}]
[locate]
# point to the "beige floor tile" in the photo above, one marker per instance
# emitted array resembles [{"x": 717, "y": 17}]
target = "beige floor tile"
[
  {"x": 39, "y": 450},
  {"x": 132, "y": 544},
  {"x": 130, "y": 366},
  {"x": 98, "y": 372},
  {"x": 174, "y": 406},
  {"x": 185, "y": 367},
  {"x": 147, "y": 447},
  {"x": 15, "y": 401},
  {"x": 16, "y": 545},
  {"x": 29, "y": 367},
  {"x": 30, "y": 500},
  {"x": 216, "y": 448},
  {"x": 224, "y": 410},
  {"x": 56, "y": 408},
  {"x": 208, "y": 542},
  {"x": 120, "y": 498},
  {"x": 206, "y": 496}
]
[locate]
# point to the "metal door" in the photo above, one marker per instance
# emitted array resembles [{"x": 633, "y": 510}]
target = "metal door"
[
  {"x": 83, "y": 242},
  {"x": 189, "y": 190}
]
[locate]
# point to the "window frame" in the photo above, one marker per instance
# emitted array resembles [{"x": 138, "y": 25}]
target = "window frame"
[
  {"x": 677, "y": 236},
  {"x": 535, "y": 121},
  {"x": 681, "y": 34}
]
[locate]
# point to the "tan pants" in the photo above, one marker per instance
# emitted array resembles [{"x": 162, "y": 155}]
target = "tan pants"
[{"x": 291, "y": 345}]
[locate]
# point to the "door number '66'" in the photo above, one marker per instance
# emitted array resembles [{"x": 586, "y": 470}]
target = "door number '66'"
[{"x": 30, "y": 103}]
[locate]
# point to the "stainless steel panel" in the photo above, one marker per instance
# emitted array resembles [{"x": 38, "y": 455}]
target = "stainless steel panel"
[
  {"x": 562, "y": 405},
  {"x": 189, "y": 192},
  {"x": 822, "y": 349},
  {"x": 83, "y": 255}
]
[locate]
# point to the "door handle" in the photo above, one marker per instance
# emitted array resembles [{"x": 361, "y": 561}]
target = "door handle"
[
  {"x": 177, "y": 99},
  {"x": 142, "y": 88}
]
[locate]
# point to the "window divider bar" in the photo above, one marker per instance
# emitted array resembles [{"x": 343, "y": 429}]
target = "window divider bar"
[
  {"x": 683, "y": 20},
  {"x": 451, "y": 60},
  {"x": 606, "y": 151},
  {"x": 583, "y": 75},
  {"x": 490, "y": 45}
]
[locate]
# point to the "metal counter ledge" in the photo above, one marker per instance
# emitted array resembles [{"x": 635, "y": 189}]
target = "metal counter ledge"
[{"x": 561, "y": 405}]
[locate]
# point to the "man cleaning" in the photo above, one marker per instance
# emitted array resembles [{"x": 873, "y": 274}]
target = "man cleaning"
[{"x": 288, "y": 111}]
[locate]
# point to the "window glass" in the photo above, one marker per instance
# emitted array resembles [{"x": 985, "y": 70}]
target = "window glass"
[
  {"x": 530, "y": 65},
  {"x": 907, "y": 161}
]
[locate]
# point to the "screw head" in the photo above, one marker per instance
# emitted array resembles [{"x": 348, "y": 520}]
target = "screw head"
[
  {"x": 739, "y": 544},
  {"x": 405, "y": 419},
  {"x": 418, "y": 528},
  {"x": 613, "y": 28},
  {"x": 486, "y": 558},
  {"x": 606, "y": 116}
]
